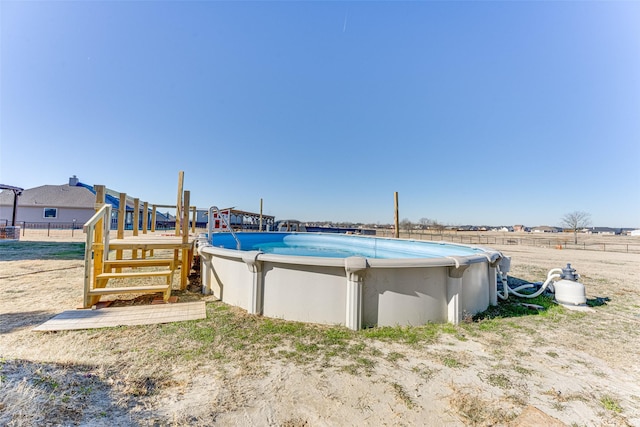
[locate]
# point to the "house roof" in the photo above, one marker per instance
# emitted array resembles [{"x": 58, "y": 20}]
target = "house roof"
[
  {"x": 111, "y": 197},
  {"x": 74, "y": 194},
  {"x": 64, "y": 196},
  {"x": 546, "y": 227},
  {"x": 52, "y": 196},
  {"x": 603, "y": 230}
]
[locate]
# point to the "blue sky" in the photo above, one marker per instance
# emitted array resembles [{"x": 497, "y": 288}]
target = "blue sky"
[{"x": 474, "y": 112}]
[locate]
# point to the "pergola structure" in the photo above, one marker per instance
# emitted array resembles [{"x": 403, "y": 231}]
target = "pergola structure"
[
  {"x": 250, "y": 220},
  {"x": 17, "y": 191}
]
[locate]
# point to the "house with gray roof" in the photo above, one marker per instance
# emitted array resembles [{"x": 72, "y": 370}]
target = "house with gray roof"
[
  {"x": 60, "y": 205},
  {"x": 50, "y": 204},
  {"x": 603, "y": 231},
  {"x": 546, "y": 229}
]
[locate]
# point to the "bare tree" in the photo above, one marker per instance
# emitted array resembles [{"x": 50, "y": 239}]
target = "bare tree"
[
  {"x": 575, "y": 221},
  {"x": 424, "y": 223},
  {"x": 407, "y": 225},
  {"x": 431, "y": 224},
  {"x": 437, "y": 226}
]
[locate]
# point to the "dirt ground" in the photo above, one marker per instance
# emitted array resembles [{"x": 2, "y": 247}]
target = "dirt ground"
[{"x": 578, "y": 368}]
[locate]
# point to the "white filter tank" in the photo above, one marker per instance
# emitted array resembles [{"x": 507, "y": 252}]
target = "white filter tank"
[{"x": 568, "y": 290}]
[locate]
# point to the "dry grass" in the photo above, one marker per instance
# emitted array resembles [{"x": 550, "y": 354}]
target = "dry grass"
[
  {"x": 234, "y": 368},
  {"x": 476, "y": 410}
]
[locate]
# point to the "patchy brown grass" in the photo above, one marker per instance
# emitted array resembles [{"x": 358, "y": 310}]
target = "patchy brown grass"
[{"x": 234, "y": 368}]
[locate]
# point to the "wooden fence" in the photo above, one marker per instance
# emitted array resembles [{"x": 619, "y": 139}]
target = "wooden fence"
[{"x": 628, "y": 244}]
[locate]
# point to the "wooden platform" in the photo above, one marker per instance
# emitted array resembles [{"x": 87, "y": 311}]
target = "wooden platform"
[
  {"x": 132, "y": 255},
  {"x": 124, "y": 316},
  {"x": 152, "y": 241},
  {"x": 98, "y": 270}
]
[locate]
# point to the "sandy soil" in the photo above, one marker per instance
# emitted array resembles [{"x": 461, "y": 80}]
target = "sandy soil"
[{"x": 578, "y": 368}]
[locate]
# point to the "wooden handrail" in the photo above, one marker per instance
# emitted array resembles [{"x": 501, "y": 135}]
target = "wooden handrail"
[
  {"x": 94, "y": 252},
  {"x": 96, "y": 217}
]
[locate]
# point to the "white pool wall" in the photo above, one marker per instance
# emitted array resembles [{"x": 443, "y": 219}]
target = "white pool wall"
[{"x": 355, "y": 292}]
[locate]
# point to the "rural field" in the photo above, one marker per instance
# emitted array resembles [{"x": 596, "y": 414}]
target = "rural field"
[{"x": 507, "y": 366}]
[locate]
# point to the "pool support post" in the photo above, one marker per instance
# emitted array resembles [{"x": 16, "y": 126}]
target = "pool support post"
[
  {"x": 454, "y": 288},
  {"x": 493, "y": 281},
  {"x": 255, "y": 298},
  {"x": 205, "y": 264},
  {"x": 353, "y": 266}
]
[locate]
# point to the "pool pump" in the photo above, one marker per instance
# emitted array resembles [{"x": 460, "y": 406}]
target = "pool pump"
[
  {"x": 568, "y": 290},
  {"x": 563, "y": 282}
]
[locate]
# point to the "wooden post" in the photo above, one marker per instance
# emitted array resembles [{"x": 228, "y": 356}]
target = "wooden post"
[
  {"x": 176, "y": 253},
  {"x": 260, "y": 214},
  {"x": 136, "y": 221},
  {"x": 194, "y": 216},
  {"x": 179, "y": 203},
  {"x": 136, "y": 216},
  {"x": 122, "y": 217},
  {"x": 186, "y": 262},
  {"x": 153, "y": 218},
  {"x": 396, "y": 217},
  {"x": 145, "y": 218},
  {"x": 185, "y": 222},
  {"x": 145, "y": 224},
  {"x": 98, "y": 241},
  {"x": 153, "y": 224}
]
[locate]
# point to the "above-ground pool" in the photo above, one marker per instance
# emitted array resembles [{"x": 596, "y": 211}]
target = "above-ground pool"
[{"x": 350, "y": 280}]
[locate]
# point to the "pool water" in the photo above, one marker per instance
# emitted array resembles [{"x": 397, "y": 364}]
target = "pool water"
[
  {"x": 281, "y": 248},
  {"x": 339, "y": 246}
]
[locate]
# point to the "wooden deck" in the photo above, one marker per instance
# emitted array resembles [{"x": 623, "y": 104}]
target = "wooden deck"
[
  {"x": 124, "y": 316},
  {"x": 133, "y": 257},
  {"x": 152, "y": 241},
  {"x": 133, "y": 253}
]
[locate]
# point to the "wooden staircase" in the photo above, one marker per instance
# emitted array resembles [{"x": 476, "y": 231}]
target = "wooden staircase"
[
  {"x": 100, "y": 270},
  {"x": 134, "y": 266}
]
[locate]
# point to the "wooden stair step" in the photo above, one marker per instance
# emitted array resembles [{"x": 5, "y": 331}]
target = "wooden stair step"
[
  {"x": 129, "y": 290},
  {"x": 144, "y": 262},
  {"x": 135, "y": 274}
]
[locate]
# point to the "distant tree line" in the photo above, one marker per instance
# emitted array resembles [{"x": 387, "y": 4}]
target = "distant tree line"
[{"x": 573, "y": 221}]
